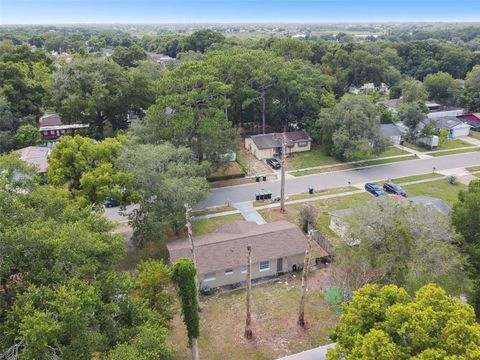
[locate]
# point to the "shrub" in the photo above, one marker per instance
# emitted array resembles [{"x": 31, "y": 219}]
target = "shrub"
[
  {"x": 452, "y": 180},
  {"x": 308, "y": 217}
]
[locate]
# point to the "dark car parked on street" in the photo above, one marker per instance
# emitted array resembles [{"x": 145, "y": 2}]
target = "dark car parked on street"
[
  {"x": 393, "y": 188},
  {"x": 274, "y": 163},
  {"x": 374, "y": 189},
  {"x": 109, "y": 203}
]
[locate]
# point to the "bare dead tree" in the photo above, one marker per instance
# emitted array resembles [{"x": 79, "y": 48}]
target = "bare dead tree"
[
  {"x": 282, "y": 181},
  {"x": 248, "y": 322},
  {"x": 306, "y": 266}
]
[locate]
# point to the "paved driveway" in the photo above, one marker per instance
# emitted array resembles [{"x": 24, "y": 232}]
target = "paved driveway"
[{"x": 240, "y": 193}]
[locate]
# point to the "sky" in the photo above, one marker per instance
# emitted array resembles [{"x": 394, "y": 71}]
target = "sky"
[{"x": 228, "y": 11}]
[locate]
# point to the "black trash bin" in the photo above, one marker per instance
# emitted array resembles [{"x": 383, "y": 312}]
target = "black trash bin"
[
  {"x": 257, "y": 196},
  {"x": 269, "y": 195},
  {"x": 310, "y": 190},
  {"x": 264, "y": 178},
  {"x": 257, "y": 179}
]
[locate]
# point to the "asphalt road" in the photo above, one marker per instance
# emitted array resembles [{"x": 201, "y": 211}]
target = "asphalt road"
[
  {"x": 335, "y": 179},
  {"x": 323, "y": 181}
]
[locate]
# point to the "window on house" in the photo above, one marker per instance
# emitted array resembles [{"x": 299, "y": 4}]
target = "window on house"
[
  {"x": 209, "y": 277},
  {"x": 243, "y": 270},
  {"x": 264, "y": 265},
  {"x": 302, "y": 144},
  {"x": 228, "y": 271}
]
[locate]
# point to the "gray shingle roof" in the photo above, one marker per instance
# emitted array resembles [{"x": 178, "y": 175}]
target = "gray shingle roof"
[
  {"x": 274, "y": 140},
  {"x": 388, "y": 130},
  {"x": 35, "y": 155},
  {"x": 226, "y": 248},
  {"x": 444, "y": 122}
]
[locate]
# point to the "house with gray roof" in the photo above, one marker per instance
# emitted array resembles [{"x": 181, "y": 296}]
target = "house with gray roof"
[
  {"x": 221, "y": 257},
  {"x": 392, "y": 132},
  {"x": 264, "y": 146},
  {"x": 455, "y": 127},
  {"x": 36, "y": 156}
]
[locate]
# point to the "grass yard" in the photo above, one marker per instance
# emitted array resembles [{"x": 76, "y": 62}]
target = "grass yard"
[
  {"x": 446, "y": 145},
  {"x": 439, "y": 189},
  {"x": 351, "y": 166},
  {"x": 457, "y": 151},
  {"x": 416, "y": 178},
  {"x": 317, "y": 157},
  {"x": 473, "y": 168},
  {"x": 324, "y": 207},
  {"x": 314, "y": 157},
  {"x": 214, "y": 210},
  {"x": 475, "y": 134},
  {"x": 322, "y": 192},
  {"x": 274, "y": 315},
  {"x": 389, "y": 151},
  {"x": 206, "y": 226}
]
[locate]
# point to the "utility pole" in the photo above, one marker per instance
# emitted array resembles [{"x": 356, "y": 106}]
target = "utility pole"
[
  {"x": 282, "y": 182},
  {"x": 248, "y": 322},
  {"x": 188, "y": 219},
  {"x": 306, "y": 265}
]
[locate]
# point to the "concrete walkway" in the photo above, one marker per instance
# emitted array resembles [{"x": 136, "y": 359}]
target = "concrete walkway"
[
  {"x": 420, "y": 155},
  {"x": 333, "y": 166},
  {"x": 249, "y": 212},
  {"x": 471, "y": 140}
]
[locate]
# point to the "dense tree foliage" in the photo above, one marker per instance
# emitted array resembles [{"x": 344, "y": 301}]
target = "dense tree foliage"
[
  {"x": 190, "y": 111},
  {"x": 350, "y": 128},
  {"x": 100, "y": 92},
  {"x": 88, "y": 169},
  {"x": 465, "y": 218},
  {"x": 400, "y": 243},
  {"x": 61, "y": 295},
  {"x": 167, "y": 178},
  {"x": 386, "y": 323}
]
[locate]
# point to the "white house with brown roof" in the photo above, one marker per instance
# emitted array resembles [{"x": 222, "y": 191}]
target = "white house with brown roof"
[
  {"x": 221, "y": 257},
  {"x": 264, "y": 146},
  {"x": 51, "y": 127}
]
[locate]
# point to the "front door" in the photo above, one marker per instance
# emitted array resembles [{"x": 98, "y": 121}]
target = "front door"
[{"x": 280, "y": 265}]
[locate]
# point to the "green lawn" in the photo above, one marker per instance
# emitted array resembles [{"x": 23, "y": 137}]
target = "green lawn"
[
  {"x": 317, "y": 157},
  {"x": 206, "y": 226},
  {"x": 314, "y": 157},
  {"x": 446, "y": 145},
  {"x": 457, "y": 151},
  {"x": 473, "y": 168},
  {"x": 416, "y": 178},
  {"x": 439, "y": 189},
  {"x": 475, "y": 134},
  {"x": 452, "y": 144},
  {"x": 214, "y": 210},
  {"x": 390, "y": 151},
  {"x": 351, "y": 166},
  {"x": 322, "y": 193}
]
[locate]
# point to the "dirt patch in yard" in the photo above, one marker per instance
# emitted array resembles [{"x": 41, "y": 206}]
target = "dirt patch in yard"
[{"x": 274, "y": 317}]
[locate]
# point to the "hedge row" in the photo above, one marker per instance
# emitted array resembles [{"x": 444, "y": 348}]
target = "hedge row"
[{"x": 226, "y": 176}]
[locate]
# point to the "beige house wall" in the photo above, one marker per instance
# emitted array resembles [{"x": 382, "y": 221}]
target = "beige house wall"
[
  {"x": 222, "y": 279},
  {"x": 268, "y": 153},
  {"x": 297, "y": 148},
  {"x": 258, "y": 153}
]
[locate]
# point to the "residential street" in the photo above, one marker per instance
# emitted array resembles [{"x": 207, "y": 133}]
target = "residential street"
[
  {"x": 340, "y": 178},
  {"x": 329, "y": 180}
]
